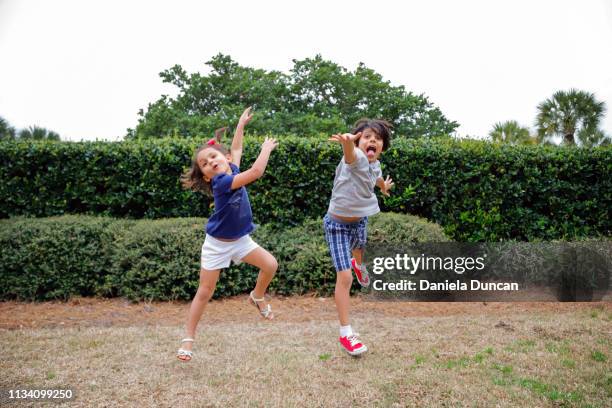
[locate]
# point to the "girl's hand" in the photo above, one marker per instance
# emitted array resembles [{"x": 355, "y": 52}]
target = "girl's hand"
[
  {"x": 344, "y": 138},
  {"x": 245, "y": 117},
  {"x": 269, "y": 144},
  {"x": 387, "y": 185}
]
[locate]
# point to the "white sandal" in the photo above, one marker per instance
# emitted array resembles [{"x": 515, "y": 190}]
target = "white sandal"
[
  {"x": 185, "y": 353},
  {"x": 266, "y": 313}
]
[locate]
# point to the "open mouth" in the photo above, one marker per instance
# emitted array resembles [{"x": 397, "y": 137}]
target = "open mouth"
[{"x": 371, "y": 149}]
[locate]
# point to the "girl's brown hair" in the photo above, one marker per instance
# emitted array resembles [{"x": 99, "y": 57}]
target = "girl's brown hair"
[
  {"x": 193, "y": 179},
  {"x": 382, "y": 127}
]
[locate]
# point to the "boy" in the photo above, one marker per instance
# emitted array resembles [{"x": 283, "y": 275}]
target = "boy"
[{"x": 352, "y": 202}]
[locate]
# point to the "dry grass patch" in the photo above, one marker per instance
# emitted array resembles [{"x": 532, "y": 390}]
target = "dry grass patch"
[{"x": 537, "y": 358}]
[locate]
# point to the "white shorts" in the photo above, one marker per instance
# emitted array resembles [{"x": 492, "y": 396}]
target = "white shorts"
[{"x": 217, "y": 254}]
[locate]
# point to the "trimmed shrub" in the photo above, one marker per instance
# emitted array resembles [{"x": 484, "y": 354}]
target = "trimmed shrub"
[
  {"x": 59, "y": 257},
  {"x": 304, "y": 258},
  {"x": 479, "y": 191},
  {"x": 54, "y": 258},
  {"x": 155, "y": 259}
]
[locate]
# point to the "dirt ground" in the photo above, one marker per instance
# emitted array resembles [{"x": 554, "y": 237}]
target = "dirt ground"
[
  {"x": 113, "y": 352},
  {"x": 87, "y": 312}
]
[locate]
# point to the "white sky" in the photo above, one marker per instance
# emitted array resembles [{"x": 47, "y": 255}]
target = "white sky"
[{"x": 85, "y": 68}]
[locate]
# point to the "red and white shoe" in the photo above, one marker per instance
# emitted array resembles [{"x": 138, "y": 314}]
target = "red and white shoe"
[
  {"x": 361, "y": 273},
  {"x": 352, "y": 345}
]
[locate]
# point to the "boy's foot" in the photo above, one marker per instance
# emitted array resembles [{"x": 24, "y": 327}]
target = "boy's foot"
[
  {"x": 361, "y": 273},
  {"x": 352, "y": 345}
]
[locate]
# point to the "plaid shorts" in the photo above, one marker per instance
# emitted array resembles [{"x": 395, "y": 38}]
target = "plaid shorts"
[{"x": 342, "y": 237}]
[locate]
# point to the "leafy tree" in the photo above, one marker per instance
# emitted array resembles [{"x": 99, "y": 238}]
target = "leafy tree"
[
  {"x": 510, "y": 132},
  {"x": 38, "y": 133},
  {"x": 7, "y": 132},
  {"x": 568, "y": 113},
  {"x": 316, "y": 96}
]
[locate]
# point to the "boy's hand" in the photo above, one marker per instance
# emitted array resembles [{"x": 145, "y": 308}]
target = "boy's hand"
[
  {"x": 386, "y": 186},
  {"x": 245, "y": 117},
  {"x": 345, "y": 138},
  {"x": 269, "y": 144}
]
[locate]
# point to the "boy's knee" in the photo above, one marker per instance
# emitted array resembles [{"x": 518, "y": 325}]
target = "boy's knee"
[{"x": 345, "y": 278}]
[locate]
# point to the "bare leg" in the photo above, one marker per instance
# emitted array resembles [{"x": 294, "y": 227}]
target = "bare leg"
[
  {"x": 208, "y": 282},
  {"x": 344, "y": 279},
  {"x": 267, "y": 265},
  {"x": 358, "y": 255}
]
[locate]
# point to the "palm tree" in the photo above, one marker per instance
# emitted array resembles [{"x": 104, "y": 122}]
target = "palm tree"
[
  {"x": 510, "y": 132},
  {"x": 566, "y": 113},
  {"x": 7, "y": 132},
  {"x": 38, "y": 133},
  {"x": 593, "y": 137}
]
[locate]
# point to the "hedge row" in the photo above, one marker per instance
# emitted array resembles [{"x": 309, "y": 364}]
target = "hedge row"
[
  {"x": 478, "y": 191},
  {"x": 60, "y": 257}
]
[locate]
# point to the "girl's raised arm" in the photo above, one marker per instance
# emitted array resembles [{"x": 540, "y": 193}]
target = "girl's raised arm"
[
  {"x": 236, "y": 149},
  {"x": 258, "y": 168}
]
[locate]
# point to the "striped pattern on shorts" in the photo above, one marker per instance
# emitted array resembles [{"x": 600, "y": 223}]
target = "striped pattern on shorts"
[{"x": 342, "y": 237}]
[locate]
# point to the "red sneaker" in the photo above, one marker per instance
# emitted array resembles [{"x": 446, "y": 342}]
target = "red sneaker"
[
  {"x": 352, "y": 345},
  {"x": 361, "y": 273}
]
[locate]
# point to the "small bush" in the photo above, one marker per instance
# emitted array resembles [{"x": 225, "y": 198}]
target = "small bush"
[{"x": 54, "y": 258}]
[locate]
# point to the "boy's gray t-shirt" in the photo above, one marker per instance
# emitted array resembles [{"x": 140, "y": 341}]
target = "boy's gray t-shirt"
[{"x": 353, "y": 192}]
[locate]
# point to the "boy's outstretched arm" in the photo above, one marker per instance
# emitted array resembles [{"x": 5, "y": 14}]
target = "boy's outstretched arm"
[
  {"x": 347, "y": 140},
  {"x": 236, "y": 148},
  {"x": 385, "y": 185},
  {"x": 258, "y": 168}
]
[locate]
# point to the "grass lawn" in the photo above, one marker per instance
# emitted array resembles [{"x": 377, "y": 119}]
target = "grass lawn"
[{"x": 516, "y": 356}]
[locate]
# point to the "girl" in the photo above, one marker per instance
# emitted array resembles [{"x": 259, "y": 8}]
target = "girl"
[
  {"x": 352, "y": 202},
  {"x": 216, "y": 170}
]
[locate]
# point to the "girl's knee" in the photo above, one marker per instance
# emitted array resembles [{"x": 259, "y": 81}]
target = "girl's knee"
[
  {"x": 273, "y": 265},
  {"x": 204, "y": 293},
  {"x": 270, "y": 266}
]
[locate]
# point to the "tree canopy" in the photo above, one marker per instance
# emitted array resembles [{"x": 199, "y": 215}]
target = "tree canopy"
[
  {"x": 571, "y": 113},
  {"x": 510, "y": 132},
  {"x": 38, "y": 133},
  {"x": 7, "y": 132},
  {"x": 316, "y": 96}
]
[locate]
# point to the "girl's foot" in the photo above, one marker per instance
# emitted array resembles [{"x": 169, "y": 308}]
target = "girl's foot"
[
  {"x": 185, "y": 353},
  {"x": 264, "y": 309}
]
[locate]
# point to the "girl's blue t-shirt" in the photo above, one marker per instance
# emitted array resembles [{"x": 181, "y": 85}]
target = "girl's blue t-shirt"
[{"x": 232, "y": 217}]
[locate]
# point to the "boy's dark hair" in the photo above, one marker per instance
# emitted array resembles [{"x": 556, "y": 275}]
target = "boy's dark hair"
[
  {"x": 382, "y": 127},
  {"x": 193, "y": 179}
]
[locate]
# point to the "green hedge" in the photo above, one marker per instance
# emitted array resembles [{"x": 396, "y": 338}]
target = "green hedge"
[
  {"x": 60, "y": 257},
  {"x": 478, "y": 191},
  {"x": 50, "y": 258}
]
